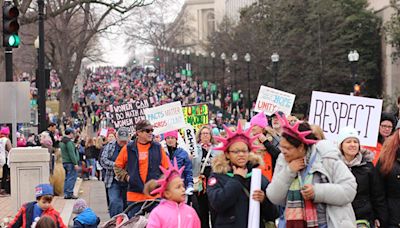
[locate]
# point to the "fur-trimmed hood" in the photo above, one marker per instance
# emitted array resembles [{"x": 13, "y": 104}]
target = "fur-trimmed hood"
[
  {"x": 362, "y": 158},
  {"x": 220, "y": 164}
]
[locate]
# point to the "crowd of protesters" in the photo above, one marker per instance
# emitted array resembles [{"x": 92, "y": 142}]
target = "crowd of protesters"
[{"x": 307, "y": 181}]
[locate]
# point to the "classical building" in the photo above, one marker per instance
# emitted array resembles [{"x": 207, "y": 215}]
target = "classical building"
[
  {"x": 198, "y": 19},
  {"x": 390, "y": 69}
]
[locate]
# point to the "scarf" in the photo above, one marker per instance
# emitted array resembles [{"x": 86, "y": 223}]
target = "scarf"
[
  {"x": 206, "y": 146},
  {"x": 300, "y": 213}
]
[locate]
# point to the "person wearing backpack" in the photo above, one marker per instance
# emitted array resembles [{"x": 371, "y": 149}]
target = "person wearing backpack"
[{"x": 5, "y": 147}]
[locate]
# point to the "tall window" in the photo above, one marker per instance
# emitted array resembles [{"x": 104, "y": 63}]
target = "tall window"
[{"x": 210, "y": 23}]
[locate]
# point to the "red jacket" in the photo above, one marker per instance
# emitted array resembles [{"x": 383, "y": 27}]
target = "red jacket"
[{"x": 25, "y": 213}]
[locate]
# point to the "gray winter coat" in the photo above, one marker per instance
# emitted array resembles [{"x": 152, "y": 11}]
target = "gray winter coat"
[{"x": 337, "y": 194}]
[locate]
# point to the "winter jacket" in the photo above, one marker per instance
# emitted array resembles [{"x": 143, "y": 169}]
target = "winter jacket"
[
  {"x": 86, "y": 219},
  {"x": 24, "y": 216},
  {"x": 182, "y": 158},
  {"x": 391, "y": 184},
  {"x": 169, "y": 214},
  {"x": 337, "y": 194},
  {"x": 228, "y": 198},
  {"x": 369, "y": 203},
  {"x": 68, "y": 151}
]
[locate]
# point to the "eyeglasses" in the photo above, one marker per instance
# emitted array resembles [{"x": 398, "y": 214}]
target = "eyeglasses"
[
  {"x": 238, "y": 151},
  {"x": 205, "y": 133},
  {"x": 386, "y": 126},
  {"x": 149, "y": 130}
]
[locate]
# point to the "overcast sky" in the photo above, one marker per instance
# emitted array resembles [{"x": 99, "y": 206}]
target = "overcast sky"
[{"x": 116, "y": 53}]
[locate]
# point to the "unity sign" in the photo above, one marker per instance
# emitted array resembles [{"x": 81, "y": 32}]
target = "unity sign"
[
  {"x": 128, "y": 114},
  {"x": 334, "y": 111},
  {"x": 271, "y": 100}
]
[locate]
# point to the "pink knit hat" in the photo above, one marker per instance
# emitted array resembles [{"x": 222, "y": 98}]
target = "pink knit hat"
[
  {"x": 172, "y": 134},
  {"x": 5, "y": 131},
  {"x": 259, "y": 120}
]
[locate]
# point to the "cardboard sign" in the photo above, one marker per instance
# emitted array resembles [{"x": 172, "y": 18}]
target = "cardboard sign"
[
  {"x": 271, "y": 100},
  {"x": 334, "y": 111},
  {"x": 190, "y": 139},
  {"x": 166, "y": 117},
  {"x": 129, "y": 114},
  {"x": 196, "y": 115}
]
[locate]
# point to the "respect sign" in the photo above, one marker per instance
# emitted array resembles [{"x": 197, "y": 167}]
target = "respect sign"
[
  {"x": 334, "y": 111},
  {"x": 128, "y": 114},
  {"x": 271, "y": 100},
  {"x": 167, "y": 117},
  {"x": 196, "y": 115}
]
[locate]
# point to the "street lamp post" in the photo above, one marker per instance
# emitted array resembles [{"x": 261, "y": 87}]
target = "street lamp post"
[
  {"x": 233, "y": 84},
  {"x": 40, "y": 80},
  {"x": 223, "y": 57},
  {"x": 188, "y": 65},
  {"x": 198, "y": 66},
  {"x": 213, "y": 72},
  {"x": 177, "y": 60},
  {"x": 275, "y": 61},
  {"x": 247, "y": 58},
  {"x": 353, "y": 57}
]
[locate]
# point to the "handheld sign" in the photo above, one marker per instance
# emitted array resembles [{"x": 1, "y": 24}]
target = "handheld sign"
[
  {"x": 129, "y": 114},
  {"x": 196, "y": 115},
  {"x": 254, "y": 207},
  {"x": 190, "y": 138},
  {"x": 271, "y": 100},
  {"x": 166, "y": 117},
  {"x": 334, "y": 111}
]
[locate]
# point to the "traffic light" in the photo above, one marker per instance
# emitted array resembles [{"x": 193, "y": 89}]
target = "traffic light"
[
  {"x": 357, "y": 90},
  {"x": 158, "y": 59},
  {"x": 10, "y": 25}
]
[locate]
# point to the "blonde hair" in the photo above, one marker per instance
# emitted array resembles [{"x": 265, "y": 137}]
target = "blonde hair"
[
  {"x": 99, "y": 142},
  {"x": 318, "y": 132}
]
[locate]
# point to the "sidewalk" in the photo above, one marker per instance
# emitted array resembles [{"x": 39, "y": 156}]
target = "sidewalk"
[
  {"x": 59, "y": 203},
  {"x": 94, "y": 193}
]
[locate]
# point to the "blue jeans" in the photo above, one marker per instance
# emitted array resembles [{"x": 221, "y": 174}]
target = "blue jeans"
[
  {"x": 91, "y": 162},
  {"x": 70, "y": 179},
  {"x": 117, "y": 198}
]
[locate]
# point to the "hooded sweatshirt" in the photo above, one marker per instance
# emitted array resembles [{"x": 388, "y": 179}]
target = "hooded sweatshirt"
[
  {"x": 68, "y": 151},
  {"x": 169, "y": 214}
]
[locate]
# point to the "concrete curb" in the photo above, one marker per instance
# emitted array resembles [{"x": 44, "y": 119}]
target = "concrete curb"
[{"x": 66, "y": 213}]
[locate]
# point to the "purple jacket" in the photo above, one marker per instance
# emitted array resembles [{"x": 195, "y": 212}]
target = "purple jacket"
[{"x": 169, "y": 214}]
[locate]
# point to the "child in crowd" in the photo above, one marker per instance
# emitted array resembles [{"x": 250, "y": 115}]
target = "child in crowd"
[
  {"x": 172, "y": 212},
  {"x": 85, "y": 218},
  {"x": 28, "y": 213}
]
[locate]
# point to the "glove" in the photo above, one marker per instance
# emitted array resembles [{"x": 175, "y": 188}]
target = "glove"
[{"x": 189, "y": 191}]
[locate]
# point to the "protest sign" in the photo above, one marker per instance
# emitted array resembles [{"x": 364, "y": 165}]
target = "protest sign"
[
  {"x": 334, "y": 111},
  {"x": 196, "y": 115},
  {"x": 190, "y": 139},
  {"x": 271, "y": 100},
  {"x": 254, "y": 206},
  {"x": 166, "y": 117},
  {"x": 104, "y": 132},
  {"x": 128, "y": 114}
]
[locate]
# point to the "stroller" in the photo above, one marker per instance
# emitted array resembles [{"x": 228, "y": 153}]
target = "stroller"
[{"x": 139, "y": 220}]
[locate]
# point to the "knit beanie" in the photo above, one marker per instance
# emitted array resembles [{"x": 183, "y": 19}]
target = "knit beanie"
[
  {"x": 79, "y": 206},
  {"x": 345, "y": 133},
  {"x": 259, "y": 120},
  {"x": 390, "y": 117},
  {"x": 171, "y": 134}
]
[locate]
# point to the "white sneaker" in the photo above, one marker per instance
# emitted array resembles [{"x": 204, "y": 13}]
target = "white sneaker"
[{"x": 93, "y": 178}]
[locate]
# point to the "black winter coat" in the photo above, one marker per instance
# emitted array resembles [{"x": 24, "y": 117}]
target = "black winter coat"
[
  {"x": 369, "y": 203},
  {"x": 91, "y": 152},
  {"x": 391, "y": 183},
  {"x": 231, "y": 203}
]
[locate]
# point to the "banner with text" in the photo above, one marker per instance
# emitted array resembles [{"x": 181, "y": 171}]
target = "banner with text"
[
  {"x": 271, "y": 100},
  {"x": 196, "y": 115},
  {"x": 166, "y": 117},
  {"x": 128, "y": 114},
  {"x": 334, "y": 111},
  {"x": 190, "y": 139}
]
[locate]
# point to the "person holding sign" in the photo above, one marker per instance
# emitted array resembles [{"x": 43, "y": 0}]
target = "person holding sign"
[
  {"x": 201, "y": 171},
  {"x": 182, "y": 157},
  {"x": 228, "y": 187},
  {"x": 369, "y": 204},
  {"x": 311, "y": 181},
  {"x": 389, "y": 175}
]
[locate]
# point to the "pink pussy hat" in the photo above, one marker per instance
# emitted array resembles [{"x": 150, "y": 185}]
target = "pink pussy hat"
[
  {"x": 171, "y": 134},
  {"x": 168, "y": 175},
  {"x": 259, "y": 120},
  {"x": 5, "y": 131}
]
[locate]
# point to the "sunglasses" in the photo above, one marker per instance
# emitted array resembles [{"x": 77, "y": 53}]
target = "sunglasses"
[{"x": 148, "y": 130}]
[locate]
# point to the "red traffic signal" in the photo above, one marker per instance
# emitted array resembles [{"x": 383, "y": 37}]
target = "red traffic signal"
[{"x": 357, "y": 90}]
